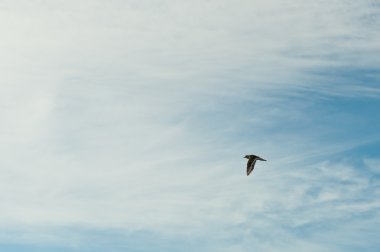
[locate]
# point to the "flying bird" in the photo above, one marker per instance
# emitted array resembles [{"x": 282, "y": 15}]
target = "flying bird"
[{"x": 251, "y": 162}]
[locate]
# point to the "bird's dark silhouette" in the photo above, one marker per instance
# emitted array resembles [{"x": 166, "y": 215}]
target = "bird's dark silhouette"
[{"x": 251, "y": 162}]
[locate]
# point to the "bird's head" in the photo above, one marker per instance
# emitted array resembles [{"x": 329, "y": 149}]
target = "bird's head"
[{"x": 246, "y": 156}]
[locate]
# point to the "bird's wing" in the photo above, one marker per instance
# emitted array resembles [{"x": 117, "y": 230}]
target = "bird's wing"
[
  {"x": 259, "y": 158},
  {"x": 250, "y": 165}
]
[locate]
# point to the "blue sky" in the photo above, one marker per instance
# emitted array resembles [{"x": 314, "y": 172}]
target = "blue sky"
[{"x": 125, "y": 123}]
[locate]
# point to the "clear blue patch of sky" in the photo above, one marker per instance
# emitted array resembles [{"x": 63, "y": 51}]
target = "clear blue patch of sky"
[{"x": 95, "y": 240}]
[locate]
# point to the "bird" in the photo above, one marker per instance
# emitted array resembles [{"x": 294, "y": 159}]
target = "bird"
[{"x": 251, "y": 162}]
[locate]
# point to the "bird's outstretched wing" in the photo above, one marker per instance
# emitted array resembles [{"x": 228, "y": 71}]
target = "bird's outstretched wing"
[
  {"x": 250, "y": 165},
  {"x": 259, "y": 158}
]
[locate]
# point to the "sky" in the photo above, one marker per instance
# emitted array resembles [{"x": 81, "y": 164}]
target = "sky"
[{"x": 124, "y": 125}]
